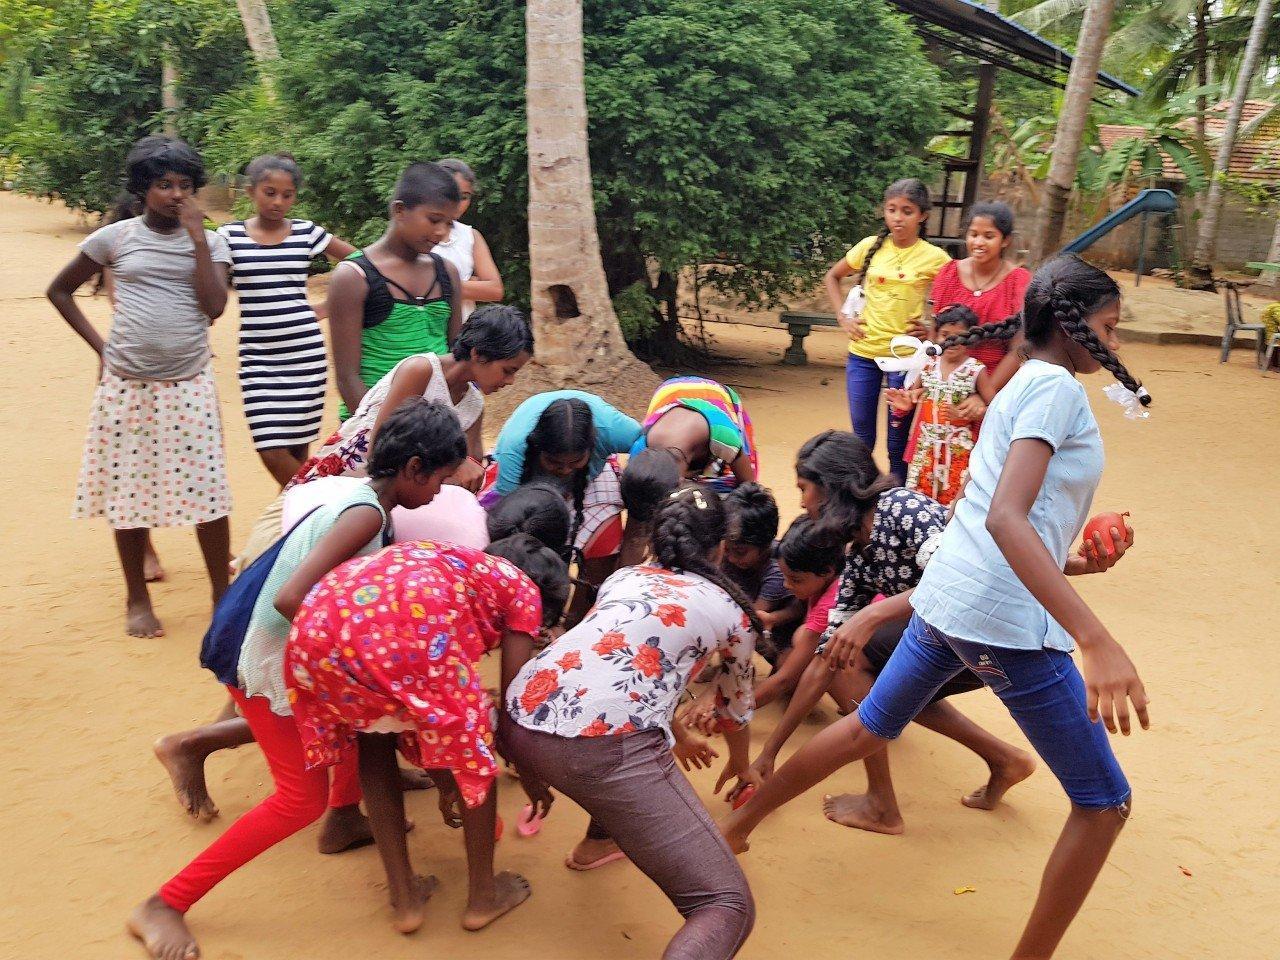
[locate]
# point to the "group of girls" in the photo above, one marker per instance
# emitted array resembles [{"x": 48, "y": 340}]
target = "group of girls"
[{"x": 381, "y": 581}]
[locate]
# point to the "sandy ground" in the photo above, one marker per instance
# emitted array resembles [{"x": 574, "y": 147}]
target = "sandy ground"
[{"x": 90, "y": 826}]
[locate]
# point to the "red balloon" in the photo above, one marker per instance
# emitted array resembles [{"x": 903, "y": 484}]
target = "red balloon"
[
  {"x": 745, "y": 794},
  {"x": 497, "y": 829},
  {"x": 1102, "y": 524}
]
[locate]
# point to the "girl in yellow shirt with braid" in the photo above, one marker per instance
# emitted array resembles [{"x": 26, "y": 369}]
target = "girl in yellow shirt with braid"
[{"x": 895, "y": 267}]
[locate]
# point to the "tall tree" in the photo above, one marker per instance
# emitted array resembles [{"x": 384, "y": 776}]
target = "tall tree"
[
  {"x": 261, "y": 37},
  {"x": 1207, "y": 238},
  {"x": 1071, "y": 121},
  {"x": 579, "y": 341}
]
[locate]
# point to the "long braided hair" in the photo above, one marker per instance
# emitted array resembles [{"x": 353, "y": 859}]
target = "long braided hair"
[
  {"x": 688, "y": 526},
  {"x": 908, "y": 189},
  {"x": 1062, "y": 295},
  {"x": 566, "y": 427}
]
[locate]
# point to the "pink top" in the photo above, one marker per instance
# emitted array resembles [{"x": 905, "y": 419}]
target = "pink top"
[
  {"x": 999, "y": 303},
  {"x": 819, "y": 608}
]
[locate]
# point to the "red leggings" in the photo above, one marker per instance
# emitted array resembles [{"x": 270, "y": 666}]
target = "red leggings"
[{"x": 299, "y": 801}]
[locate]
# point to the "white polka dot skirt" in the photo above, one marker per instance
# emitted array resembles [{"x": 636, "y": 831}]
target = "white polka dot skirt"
[{"x": 154, "y": 455}]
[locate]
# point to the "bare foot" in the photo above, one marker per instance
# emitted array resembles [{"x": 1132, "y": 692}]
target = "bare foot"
[
  {"x": 186, "y": 770},
  {"x": 859, "y": 811},
  {"x": 408, "y": 917},
  {"x": 162, "y": 930},
  {"x": 738, "y": 843},
  {"x": 509, "y": 891},
  {"x": 152, "y": 572},
  {"x": 1012, "y": 770},
  {"x": 411, "y": 778},
  {"x": 589, "y": 852},
  {"x": 140, "y": 620},
  {"x": 346, "y": 828}
]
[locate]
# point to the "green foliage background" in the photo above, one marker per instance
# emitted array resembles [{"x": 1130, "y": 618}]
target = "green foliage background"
[{"x": 751, "y": 135}]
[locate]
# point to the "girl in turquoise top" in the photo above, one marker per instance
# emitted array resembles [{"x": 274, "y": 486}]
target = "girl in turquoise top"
[
  {"x": 995, "y": 597},
  {"x": 396, "y": 297}
]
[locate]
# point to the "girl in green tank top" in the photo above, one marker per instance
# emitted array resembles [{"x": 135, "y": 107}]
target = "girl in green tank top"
[{"x": 397, "y": 298}]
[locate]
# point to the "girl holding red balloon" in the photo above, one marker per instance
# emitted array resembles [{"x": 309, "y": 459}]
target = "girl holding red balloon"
[{"x": 995, "y": 597}]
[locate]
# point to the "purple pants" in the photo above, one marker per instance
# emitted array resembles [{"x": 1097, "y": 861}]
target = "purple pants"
[{"x": 632, "y": 788}]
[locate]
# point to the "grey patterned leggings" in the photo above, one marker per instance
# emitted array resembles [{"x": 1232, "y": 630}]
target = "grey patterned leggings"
[{"x": 632, "y": 788}]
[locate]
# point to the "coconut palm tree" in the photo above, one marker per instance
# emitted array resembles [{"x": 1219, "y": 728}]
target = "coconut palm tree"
[
  {"x": 1207, "y": 237},
  {"x": 579, "y": 341},
  {"x": 1072, "y": 120}
]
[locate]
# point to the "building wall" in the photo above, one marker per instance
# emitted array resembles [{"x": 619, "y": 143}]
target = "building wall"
[{"x": 1244, "y": 235}]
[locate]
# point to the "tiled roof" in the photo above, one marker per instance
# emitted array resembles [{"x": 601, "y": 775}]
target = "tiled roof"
[{"x": 1255, "y": 158}]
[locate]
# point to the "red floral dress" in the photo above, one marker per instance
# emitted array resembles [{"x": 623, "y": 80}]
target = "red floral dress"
[
  {"x": 624, "y": 667},
  {"x": 390, "y": 643}
]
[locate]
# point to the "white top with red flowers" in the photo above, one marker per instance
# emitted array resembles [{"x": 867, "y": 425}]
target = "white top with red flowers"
[{"x": 624, "y": 667}]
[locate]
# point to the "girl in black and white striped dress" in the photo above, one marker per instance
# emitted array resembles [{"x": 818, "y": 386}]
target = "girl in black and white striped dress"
[{"x": 283, "y": 363}]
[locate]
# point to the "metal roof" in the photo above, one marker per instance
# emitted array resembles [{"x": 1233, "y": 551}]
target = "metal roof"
[{"x": 975, "y": 30}]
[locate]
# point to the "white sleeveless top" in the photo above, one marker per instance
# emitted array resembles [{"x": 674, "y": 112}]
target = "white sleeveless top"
[
  {"x": 460, "y": 250},
  {"x": 468, "y": 408}
]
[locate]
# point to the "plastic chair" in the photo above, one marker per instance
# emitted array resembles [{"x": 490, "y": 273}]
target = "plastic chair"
[
  {"x": 1271, "y": 352},
  {"x": 1236, "y": 324}
]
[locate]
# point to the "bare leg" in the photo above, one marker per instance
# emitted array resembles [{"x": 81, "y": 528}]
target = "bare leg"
[
  {"x": 139, "y": 619},
  {"x": 1077, "y": 858},
  {"x": 183, "y": 755},
  {"x": 162, "y": 930},
  {"x": 842, "y": 743},
  {"x": 215, "y": 546},
  {"x": 877, "y": 809},
  {"x": 283, "y": 462},
  {"x": 380, "y": 781},
  {"x": 151, "y": 567},
  {"x": 1008, "y": 765},
  {"x": 489, "y": 896}
]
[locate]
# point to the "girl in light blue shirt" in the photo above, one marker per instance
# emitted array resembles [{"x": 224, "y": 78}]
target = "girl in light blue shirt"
[{"x": 995, "y": 597}]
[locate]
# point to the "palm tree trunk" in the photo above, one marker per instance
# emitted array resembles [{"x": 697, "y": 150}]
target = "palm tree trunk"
[
  {"x": 579, "y": 342},
  {"x": 1207, "y": 238},
  {"x": 1202, "y": 67},
  {"x": 261, "y": 37},
  {"x": 170, "y": 102},
  {"x": 1071, "y": 122}
]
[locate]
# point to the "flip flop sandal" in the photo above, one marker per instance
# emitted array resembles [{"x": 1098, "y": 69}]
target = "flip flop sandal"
[{"x": 573, "y": 864}]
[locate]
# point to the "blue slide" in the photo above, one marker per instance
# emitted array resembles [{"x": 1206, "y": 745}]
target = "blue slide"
[{"x": 1148, "y": 201}]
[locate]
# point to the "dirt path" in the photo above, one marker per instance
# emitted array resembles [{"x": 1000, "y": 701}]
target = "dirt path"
[{"x": 90, "y": 826}]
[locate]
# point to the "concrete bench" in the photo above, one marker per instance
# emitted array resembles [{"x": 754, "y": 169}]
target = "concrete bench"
[{"x": 800, "y": 325}]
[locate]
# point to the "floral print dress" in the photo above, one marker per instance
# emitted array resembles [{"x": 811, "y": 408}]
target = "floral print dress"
[
  {"x": 942, "y": 441},
  {"x": 624, "y": 667},
  {"x": 390, "y": 643},
  {"x": 905, "y": 532}
]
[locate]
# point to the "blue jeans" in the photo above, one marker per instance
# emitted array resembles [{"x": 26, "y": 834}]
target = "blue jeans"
[
  {"x": 863, "y": 380},
  {"x": 1042, "y": 688}
]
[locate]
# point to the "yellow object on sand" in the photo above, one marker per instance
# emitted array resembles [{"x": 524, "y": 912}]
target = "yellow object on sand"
[{"x": 959, "y": 890}]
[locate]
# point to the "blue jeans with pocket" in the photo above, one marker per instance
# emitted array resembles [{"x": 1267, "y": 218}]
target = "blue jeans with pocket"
[
  {"x": 863, "y": 380},
  {"x": 1042, "y": 689}
]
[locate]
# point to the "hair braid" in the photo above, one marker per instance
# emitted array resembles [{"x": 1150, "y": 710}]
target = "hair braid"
[
  {"x": 1006, "y": 329},
  {"x": 1067, "y": 314},
  {"x": 881, "y": 237},
  {"x": 685, "y": 529}
]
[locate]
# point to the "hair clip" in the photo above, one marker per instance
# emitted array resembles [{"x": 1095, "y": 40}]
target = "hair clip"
[{"x": 699, "y": 500}]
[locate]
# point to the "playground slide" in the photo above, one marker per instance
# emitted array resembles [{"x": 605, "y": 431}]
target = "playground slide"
[{"x": 1148, "y": 201}]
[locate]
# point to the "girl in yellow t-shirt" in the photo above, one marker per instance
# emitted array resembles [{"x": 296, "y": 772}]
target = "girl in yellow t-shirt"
[{"x": 896, "y": 268}]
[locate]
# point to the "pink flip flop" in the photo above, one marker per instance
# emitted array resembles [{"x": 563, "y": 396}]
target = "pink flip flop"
[
  {"x": 529, "y": 824},
  {"x": 603, "y": 861}
]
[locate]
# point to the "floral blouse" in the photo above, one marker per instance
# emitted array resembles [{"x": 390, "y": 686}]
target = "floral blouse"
[
  {"x": 904, "y": 535},
  {"x": 624, "y": 667}
]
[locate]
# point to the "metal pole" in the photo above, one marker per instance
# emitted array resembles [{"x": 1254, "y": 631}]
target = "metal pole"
[{"x": 1142, "y": 250}]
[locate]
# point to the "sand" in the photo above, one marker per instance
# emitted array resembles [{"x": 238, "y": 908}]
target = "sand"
[{"x": 90, "y": 826}]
